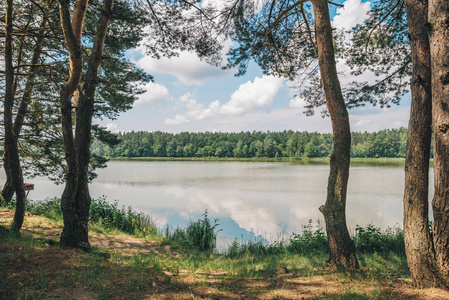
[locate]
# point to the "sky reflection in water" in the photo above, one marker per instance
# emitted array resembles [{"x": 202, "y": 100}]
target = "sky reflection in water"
[{"x": 250, "y": 199}]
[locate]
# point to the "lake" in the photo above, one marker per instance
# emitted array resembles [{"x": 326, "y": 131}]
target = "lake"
[{"x": 251, "y": 199}]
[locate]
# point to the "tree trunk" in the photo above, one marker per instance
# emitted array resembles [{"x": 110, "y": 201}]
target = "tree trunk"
[
  {"x": 439, "y": 53},
  {"x": 341, "y": 246},
  {"x": 79, "y": 210},
  {"x": 74, "y": 233},
  {"x": 8, "y": 190},
  {"x": 421, "y": 260},
  {"x": 10, "y": 142}
]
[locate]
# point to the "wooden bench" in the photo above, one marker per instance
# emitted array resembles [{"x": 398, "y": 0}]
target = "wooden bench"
[{"x": 28, "y": 187}]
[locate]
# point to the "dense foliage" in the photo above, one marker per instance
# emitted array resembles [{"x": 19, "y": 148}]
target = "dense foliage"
[
  {"x": 384, "y": 143},
  {"x": 312, "y": 242}
]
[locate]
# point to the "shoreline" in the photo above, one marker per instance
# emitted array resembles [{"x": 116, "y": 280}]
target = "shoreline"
[{"x": 356, "y": 161}]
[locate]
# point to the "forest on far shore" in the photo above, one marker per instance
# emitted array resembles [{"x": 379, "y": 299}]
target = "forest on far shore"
[{"x": 383, "y": 143}]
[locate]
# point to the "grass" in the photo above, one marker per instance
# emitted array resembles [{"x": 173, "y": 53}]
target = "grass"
[
  {"x": 104, "y": 216},
  {"x": 200, "y": 235},
  {"x": 107, "y": 216},
  {"x": 34, "y": 269},
  {"x": 165, "y": 268}
]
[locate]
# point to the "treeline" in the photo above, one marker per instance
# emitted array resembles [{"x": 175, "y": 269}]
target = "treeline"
[{"x": 384, "y": 143}]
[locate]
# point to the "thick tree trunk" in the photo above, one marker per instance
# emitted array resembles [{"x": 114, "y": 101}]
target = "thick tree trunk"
[
  {"x": 421, "y": 260},
  {"x": 74, "y": 233},
  {"x": 439, "y": 53},
  {"x": 341, "y": 246},
  {"x": 10, "y": 142},
  {"x": 79, "y": 209},
  {"x": 8, "y": 190}
]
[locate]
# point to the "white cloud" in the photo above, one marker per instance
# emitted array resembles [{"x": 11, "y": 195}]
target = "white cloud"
[
  {"x": 216, "y": 4},
  {"x": 250, "y": 95},
  {"x": 189, "y": 100},
  {"x": 155, "y": 92},
  {"x": 112, "y": 127},
  {"x": 361, "y": 119},
  {"x": 188, "y": 68},
  {"x": 352, "y": 13},
  {"x": 246, "y": 214},
  {"x": 200, "y": 112},
  {"x": 393, "y": 117},
  {"x": 252, "y": 218},
  {"x": 297, "y": 102},
  {"x": 179, "y": 119}
]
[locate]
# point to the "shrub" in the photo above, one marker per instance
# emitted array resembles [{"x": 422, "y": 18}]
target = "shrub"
[
  {"x": 371, "y": 239},
  {"x": 309, "y": 241},
  {"x": 200, "y": 235},
  {"x": 50, "y": 208},
  {"x": 258, "y": 247},
  {"x": 109, "y": 215}
]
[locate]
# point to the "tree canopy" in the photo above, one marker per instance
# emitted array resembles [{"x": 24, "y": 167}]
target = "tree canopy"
[{"x": 384, "y": 143}]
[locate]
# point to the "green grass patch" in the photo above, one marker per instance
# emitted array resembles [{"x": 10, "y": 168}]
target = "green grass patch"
[{"x": 104, "y": 216}]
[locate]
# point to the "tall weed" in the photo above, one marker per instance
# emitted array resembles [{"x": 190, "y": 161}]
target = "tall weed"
[
  {"x": 200, "y": 235},
  {"x": 258, "y": 247},
  {"x": 372, "y": 239},
  {"x": 110, "y": 215},
  {"x": 310, "y": 241}
]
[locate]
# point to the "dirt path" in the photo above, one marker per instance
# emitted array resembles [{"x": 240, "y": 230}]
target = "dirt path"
[{"x": 214, "y": 285}]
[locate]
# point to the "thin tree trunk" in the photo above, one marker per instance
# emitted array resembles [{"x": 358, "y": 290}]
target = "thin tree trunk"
[
  {"x": 72, "y": 235},
  {"x": 421, "y": 259},
  {"x": 439, "y": 52},
  {"x": 8, "y": 190},
  {"x": 341, "y": 246},
  {"x": 10, "y": 143}
]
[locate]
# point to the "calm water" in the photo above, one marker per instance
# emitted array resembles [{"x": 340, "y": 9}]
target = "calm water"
[{"x": 250, "y": 198}]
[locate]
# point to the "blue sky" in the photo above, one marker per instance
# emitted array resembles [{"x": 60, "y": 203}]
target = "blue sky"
[{"x": 190, "y": 95}]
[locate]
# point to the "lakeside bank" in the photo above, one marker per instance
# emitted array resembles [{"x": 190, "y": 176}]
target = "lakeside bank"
[{"x": 123, "y": 266}]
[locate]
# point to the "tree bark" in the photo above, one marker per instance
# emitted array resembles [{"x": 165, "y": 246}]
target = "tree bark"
[
  {"x": 8, "y": 189},
  {"x": 78, "y": 212},
  {"x": 341, "y": 246},
  {"x": 10, "y": 142},
  {"x": 439, "y": 53},
  {"x": 421, "y": 259},
  {"x": 74, "y": 233}
]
